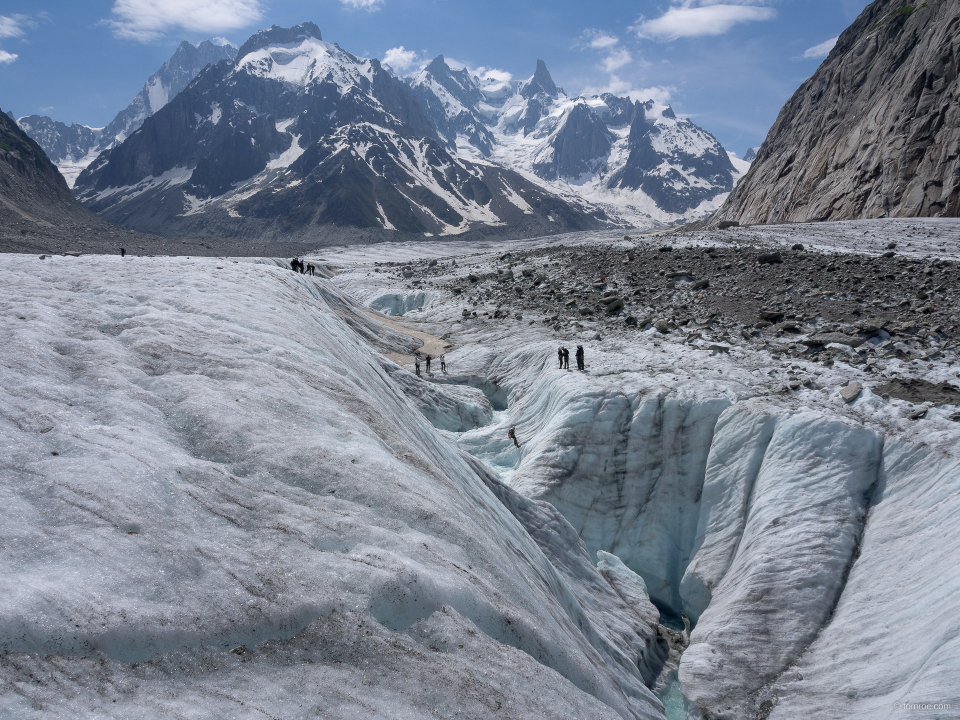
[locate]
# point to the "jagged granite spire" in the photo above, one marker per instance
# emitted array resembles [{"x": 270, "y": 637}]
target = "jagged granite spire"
[{"x": 541, "y": 82}]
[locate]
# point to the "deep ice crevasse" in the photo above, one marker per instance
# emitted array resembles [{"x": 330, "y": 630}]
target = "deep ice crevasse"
[{"x": 782, "y": 534}]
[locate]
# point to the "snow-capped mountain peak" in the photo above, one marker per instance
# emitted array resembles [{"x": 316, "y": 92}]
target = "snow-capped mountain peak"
[{"x": 305, "y": 60}]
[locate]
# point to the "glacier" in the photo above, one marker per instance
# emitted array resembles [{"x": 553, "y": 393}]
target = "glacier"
[{"x": 228, "y": 494}]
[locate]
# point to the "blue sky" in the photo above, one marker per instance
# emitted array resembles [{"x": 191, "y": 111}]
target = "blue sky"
[{"x": 728, "y": 64}]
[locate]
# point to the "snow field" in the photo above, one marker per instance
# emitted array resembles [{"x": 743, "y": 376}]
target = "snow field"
[{"x": 202, "y": 456}]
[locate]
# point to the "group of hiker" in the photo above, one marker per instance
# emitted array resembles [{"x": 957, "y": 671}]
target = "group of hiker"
[
  {"x": 563, "y": 355},
  {"x": 297, "y": 265},
  {"x": 428, "y": 360}
]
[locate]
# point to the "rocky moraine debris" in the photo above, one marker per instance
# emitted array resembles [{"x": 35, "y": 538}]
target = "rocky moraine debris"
[{"x": 856, "y": 308}]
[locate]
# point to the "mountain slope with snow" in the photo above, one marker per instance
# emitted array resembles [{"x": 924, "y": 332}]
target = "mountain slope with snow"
[
  {"x": 299, "y": 136},
  {"x": 72, "y": 148}
]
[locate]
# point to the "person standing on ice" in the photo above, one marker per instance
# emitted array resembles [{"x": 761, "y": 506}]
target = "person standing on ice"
[
  {"x": 429, "y": 358},
  {"x": 123, "y": 252},
  {"x": 416, "y": 364},
  {"x": 512, "y": 434},
  {"x": 580, "y": 365},
  {"x": 443, "y": 364},
  {"x": 566, "y": 359},
  {"x": 560, "y": 356}
]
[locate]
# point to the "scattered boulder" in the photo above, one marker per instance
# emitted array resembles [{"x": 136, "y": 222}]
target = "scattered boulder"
[
  {"x": 821, "y": 339},
  {"x": 798, "y": 247},
  {"x": 851, "y": 392},
  {"x": 727, "y": 224},
  {"x": 770, "y": 258},
  {"x": 661, "y": 326},
  {"x": 701, "y": 284},
  {"x": 771, "y": 315},
  {"x": 615, "y": 306}
]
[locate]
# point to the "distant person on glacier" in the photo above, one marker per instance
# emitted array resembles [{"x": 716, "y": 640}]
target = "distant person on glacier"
[
  {"x": 512, "y": 434},
  {"x": 429, "y": 358},
  {"x": 580, "y": 364},
  {"x": 416, "y": 364},
  {"x": 560, "y": 356},
  {"x": 311, "y": 270},
  {"x": 123, "y": 252},
  {"x": 295, "y": 264},
  {"x": 566, "y": 359},
  {"x": 443, "y": 363}
]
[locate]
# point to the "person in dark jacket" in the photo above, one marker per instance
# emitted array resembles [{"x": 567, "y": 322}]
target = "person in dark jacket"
[
  {"x": 580, "y": 363},
  {"x": 512, "y": 434},
  {"x": 429, "y": 358},
  {"x": 566, "y": 359},
  {"x": 560, "y": 356}
]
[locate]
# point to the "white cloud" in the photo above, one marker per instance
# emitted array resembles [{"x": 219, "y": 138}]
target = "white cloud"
[
  {"x": 616, "y": 60},
  {"x": 7, "y": 58},
  {"x": 821, "y": 50},
  {"x": 399, "y": 58},
  {"x": 146, "y": 20},
  {"x": 370, "y": 5},
  {"x": 624, "y": 88},
  {"x": 493, "y": 80},
  {"x": 695, "y": 19}
]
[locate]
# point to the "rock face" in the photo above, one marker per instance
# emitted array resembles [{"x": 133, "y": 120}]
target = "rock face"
[
  {"x": 72, "y": 148},
  {"x": 874, "y": 133}
]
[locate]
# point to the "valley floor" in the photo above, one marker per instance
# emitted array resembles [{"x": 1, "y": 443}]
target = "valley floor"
[{"x": 224, "y": 497}]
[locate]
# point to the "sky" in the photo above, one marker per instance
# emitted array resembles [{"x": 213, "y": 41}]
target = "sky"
[{"x": 729, "y": 65}]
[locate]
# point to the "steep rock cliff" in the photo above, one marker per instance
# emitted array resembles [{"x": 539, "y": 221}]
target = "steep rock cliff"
[{"x": 875, "y": 132}]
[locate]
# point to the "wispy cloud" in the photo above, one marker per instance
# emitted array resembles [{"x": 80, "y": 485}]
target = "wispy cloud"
[
  {"x": 369, "y": 5},
  {"x": 7, "y": 58},
  {"x": 617, "y": 59},
  {"x": 616, "y": 56},
  {"x": 399, "y": 58},
  {"x": 599, "y": 40},
  {"x": 13, "y": 25},
  {"x": 147, "y": 20},
  {"x": 821, "y": 50},
  {"x": 697, "y": 18}
]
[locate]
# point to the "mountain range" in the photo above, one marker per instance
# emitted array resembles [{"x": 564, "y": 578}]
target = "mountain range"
[{"x": 292, "y": 137}]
